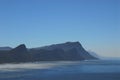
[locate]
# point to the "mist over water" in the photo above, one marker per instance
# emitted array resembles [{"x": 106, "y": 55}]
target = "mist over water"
[
  {"x": 61, "y": 70},
  {"x": 34, "y": 65}
]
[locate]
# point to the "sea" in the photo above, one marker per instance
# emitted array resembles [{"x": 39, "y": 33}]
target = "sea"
[{"x": 62, "y": 70}]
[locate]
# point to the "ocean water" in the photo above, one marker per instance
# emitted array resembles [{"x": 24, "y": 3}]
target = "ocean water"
[{"x": 62, "y": 70}]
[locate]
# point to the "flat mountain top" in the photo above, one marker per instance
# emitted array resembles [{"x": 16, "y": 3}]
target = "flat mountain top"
[{"x": 65, "y": 46}]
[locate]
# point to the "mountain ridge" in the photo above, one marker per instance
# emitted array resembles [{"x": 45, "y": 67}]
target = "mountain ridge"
[{"x": 70, "y": 51}]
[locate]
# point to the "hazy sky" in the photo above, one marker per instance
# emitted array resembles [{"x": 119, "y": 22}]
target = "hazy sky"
[{"x": 95, "y": 23}]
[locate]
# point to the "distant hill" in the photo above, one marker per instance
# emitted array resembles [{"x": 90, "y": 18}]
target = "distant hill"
[
  {"x": 70, "y": 51},
  {"x": 5, "y": 48}
]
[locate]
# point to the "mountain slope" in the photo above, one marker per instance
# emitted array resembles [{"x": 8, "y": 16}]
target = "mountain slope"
[{"x": 71, "y": 51}]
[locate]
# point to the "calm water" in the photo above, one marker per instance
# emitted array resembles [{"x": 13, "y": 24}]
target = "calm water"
[{"x": 64, "y": 70}]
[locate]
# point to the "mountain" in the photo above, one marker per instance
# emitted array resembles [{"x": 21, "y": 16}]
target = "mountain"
[
  {"x": 18, "y": 54},
  {"x": 70, "y": 51},
  {"x": 5, "y": 48}
]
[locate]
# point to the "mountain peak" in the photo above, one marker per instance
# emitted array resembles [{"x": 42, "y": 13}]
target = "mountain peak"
[
  {"x": 77, "y": 42},
  {"x": 73, "y": 43},
  {"x": 20, "y": 48}
]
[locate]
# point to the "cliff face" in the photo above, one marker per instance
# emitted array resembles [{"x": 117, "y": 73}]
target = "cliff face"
[{"x": 70, "y": 51}]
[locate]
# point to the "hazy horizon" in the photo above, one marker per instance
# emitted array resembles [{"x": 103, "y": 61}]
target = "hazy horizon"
[{"x": 94, "y": 23}]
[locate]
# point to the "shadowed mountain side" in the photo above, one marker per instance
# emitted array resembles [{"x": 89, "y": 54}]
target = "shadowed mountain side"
[
  {"x": 72, "y": 49},
  {"x": 21, "y": 54},
  {"x": 55, "y": 55}
]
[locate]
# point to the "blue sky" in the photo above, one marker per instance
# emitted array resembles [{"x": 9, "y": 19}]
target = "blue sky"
[{"x": 95, "y": 23}]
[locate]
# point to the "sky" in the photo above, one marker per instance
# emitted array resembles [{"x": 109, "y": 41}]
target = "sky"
[{"x": 94, "y": 23}]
